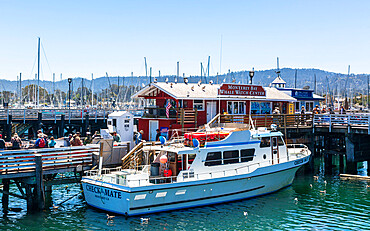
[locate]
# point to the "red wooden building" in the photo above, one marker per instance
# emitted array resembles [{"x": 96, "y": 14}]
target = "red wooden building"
[{"x": 195, "y": 104}]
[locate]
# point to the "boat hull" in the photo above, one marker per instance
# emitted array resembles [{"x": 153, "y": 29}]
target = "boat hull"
[{"x": 174, "y": 196}]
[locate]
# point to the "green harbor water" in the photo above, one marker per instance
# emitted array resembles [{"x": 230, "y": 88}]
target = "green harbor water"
[{"x": 325, "y": 202}]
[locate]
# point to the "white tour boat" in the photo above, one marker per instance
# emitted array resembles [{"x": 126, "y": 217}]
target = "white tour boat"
[{"x": 215, "y": 166}]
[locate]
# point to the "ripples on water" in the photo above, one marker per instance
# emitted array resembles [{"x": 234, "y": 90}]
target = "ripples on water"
[{"x": 330, "y": 204}]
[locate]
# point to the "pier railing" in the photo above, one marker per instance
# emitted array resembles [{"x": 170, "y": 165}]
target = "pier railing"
[
  {"x": 281, "y": 120},
  {"x": 32, "y": 114},
  {"x": 22, "y": 163},
  {"x": 360, "y": 121}
]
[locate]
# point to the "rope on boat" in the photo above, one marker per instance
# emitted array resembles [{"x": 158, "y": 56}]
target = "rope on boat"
[{"x": 70, "y": 197}]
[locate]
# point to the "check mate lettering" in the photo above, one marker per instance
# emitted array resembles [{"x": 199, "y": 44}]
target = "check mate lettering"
[
  {"x": 104, "y": 191},
  {"x": 237, "y": 89}
]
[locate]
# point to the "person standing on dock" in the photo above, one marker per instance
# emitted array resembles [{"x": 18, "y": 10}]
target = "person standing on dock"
[
  {"x": 16, "y": 142},
  {"x": 2, "y": 143},
  {"x": 40, "y": 142},
  {"x": 116, "y": 137},
  {"x": 76, "y": 141},
  {"x": 52, "y": 142},
  {"x": 88, "y": 138}
]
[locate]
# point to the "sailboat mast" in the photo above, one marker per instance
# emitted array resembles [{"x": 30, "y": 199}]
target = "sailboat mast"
[
  {"x": 92, "y": 89},
  {"x": 38, "y": 73},
  {"x": 20, "y": 88}
]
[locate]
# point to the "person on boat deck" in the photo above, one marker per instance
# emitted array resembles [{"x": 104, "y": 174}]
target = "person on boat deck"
[
  {"x": 52, "y": 142},
  {"x": 116, "y": 137},
  {"x": 16, "y": 142},
  {"x": 158, "y": 135},
  {"x": 2, "y": 142},
  {"x": 139, "y": 137}
]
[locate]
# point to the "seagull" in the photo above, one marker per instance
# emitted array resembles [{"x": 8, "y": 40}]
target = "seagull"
[
  {"x": 311, "y": 185},
  {"x": 166, "y": 80},
  {"x": 296, "y": 200},
  {"x": 245, "y": 213},
  {"x": 211, "y": 82},
  {"x": 145, "y": 220},
  {"x": 110, "y": 217},
  {"x": 325, "y": 182},
  {"x": 324, "y": 191},
  {"x": 155, "y": 80}
]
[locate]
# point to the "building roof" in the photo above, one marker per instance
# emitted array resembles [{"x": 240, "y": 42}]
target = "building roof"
[
  {"x": 317, "y": 97},
  {"x": 206, "y": 91},
  {"x": 119, "y": 113},
  {"x": 278, "y": 80}
]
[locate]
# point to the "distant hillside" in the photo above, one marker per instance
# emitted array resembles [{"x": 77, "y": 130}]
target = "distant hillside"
[{"x": 305, "y": 77}]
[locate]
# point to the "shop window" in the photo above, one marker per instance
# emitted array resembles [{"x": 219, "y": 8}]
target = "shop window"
[
  {"x": 247, "y": 154},
  {"x": 309, "y": 106},
  {"x": 297, "y": 107},
  {"x": 231, "y": 157},
  {"x": 213, "y": 158},
  {"x": 236, "y": 108},
  {"x": 199, "y": 104},
  {"x": 265, "y": 142},
  {"x": 260, "y": 107}
]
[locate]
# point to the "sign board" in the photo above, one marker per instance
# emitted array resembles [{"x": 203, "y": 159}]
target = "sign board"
[
  {"x": 104, "y": 133},
  {"x": 291, "y": 108},
  {"x": 241, "y": 89}
]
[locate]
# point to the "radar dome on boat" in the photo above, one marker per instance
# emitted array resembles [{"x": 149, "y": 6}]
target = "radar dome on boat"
[{"x": 163, "y": 159}]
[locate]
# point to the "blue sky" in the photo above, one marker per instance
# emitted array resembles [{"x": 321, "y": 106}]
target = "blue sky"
[{"x": 84, "y": 37}]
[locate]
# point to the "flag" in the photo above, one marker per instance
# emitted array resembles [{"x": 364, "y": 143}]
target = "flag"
[{"x": 168, "y": 106}]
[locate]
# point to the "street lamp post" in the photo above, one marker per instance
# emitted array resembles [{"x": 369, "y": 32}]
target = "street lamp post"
[
  {"x": 251, "y": 74},
  {"x": 69, "y": 97}
]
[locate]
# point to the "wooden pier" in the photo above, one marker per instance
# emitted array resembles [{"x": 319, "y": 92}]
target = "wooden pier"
[
  {"x": 35, "y": 171},
  {"x": 53, "y": 121},
  {"x": 347, "y": 135}
]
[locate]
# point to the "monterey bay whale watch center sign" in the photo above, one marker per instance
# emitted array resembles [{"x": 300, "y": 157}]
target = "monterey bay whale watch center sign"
[{"x": 241, "y": 89}]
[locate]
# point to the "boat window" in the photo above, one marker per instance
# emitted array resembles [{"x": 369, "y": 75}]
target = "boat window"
[
  {"x": 171, "y": 156},
  {"x": 274, "y": 141},
  {"x": 265, "y": 142},
  {"x": 247, "y": 154},
  {"x": 280, "y": 141},
  {"x": 231, "y": 157},
  {"x": 115, "y": 122},
  {"x": 213, "y": 158},
  {"x": 191, "y": 158}
]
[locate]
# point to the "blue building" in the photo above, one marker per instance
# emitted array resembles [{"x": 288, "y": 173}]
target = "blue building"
[{"x": 304, "y": 97}]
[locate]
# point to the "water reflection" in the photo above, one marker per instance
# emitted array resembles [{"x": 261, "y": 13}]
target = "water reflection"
[{"x": 324, "y": 202}]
